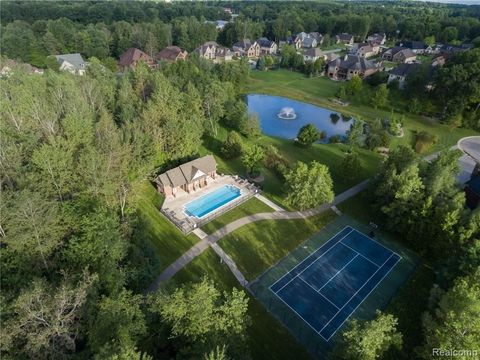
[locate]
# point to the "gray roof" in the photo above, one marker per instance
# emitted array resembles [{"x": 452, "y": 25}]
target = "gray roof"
[
  {"x": 308, "y": 42},
  {"x": 244, "y": 43},
  {"x": 264, "y": 42},
  {"x": 352, "y": 62},
  {"x": 314, "y": 52},
  {"x": 404, "y": 69},
  {"x": 75, "y": 59},
  {"x": 184, "y": 173}
]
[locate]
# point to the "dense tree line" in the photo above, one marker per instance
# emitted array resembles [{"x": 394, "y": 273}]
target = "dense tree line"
[
  {"x": 32, "y": 31},
  {"x": 74, "y": 267}
]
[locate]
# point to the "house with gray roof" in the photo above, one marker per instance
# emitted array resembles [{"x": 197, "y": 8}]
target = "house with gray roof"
[
  {"x": 347, "y": 67},
  {"x": 268, "y": 47},
  {"x": 72, "y": 63},
  {"x": 188, "y": 177},
  {"x": 400, "y": 74}
]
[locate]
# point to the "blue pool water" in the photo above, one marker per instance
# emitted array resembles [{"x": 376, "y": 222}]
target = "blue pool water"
[
  {"x": 267, "y": 107},
  {"x": 212, "y": 201}
]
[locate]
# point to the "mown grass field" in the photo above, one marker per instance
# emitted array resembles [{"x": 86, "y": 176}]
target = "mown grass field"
[
  {"x": 168, "y": 241},
  {"x": 252, "y": 206},
  {"x": 257, "y": 246},
  {"x": 273, "y": 186},
  {"x": 321, "y": 90}
]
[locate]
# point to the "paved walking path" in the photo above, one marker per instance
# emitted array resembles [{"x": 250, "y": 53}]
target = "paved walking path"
[
  {"x": 268, "y": 202},
  {"x": 230, "y": 263},
  {"x": 200, "y": 233},
  {"x": 203, "y": 244}
]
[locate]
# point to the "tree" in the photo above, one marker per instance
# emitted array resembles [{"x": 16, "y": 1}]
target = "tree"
[
  {"x": 354, "y": 86},
  {"x": 369, "y": 340},
  {"x": 309, "y": 186},
  {"x": 455, "y": 322},
  {"x": 119, "y": 320},
  {"x": 307, "y": 135},
  {"x": 350, "y": 165},
  {"x": 204, "y": 319},
  {"x": 46, "y": 320},
  {"x": 355, "y": 133},
  {"x": 250, "y": 126},
  {"x": 232, "y": 147},
  {"x": 252, "y": 157},
  {"x": 380, "y": 96},
  {"x": 261, "y": 64}
]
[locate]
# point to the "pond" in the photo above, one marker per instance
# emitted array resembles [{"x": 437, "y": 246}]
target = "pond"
[{"x": 283, "y": 117}]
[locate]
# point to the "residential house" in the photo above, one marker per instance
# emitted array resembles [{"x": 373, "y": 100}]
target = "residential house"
[
  {"x": 223, "y": 54},
  {"x": 400, "y": 74},
  {"x": 132, "y": 56},
  {"x": 207, "y": 50},
  {"x": 267, "y": 47},
  {"x": 345, "y": 68},
  {"x": 72, "y": 63},
  {"x": 308, "y": 40},
  {"x": 171, "y": 54},
  {"x": 188, "y": 177},
  {"x": 366, "y": 50},
  {"x": 317, "y": 36},
  {"x": 344, "y": 38},
  {"x": 399, "y": 54},
  {"x": 417, "y": 47},
  {"x": 453, "y": 49},
  {"x": 295, "y": 41},
  {"x": 247, "y": 48},
  {"x": 379, "y": 39},
  {"x": 313, "y": 54}
]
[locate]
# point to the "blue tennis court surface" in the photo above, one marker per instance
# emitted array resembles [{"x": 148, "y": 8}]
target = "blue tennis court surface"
[{"x": 329, "y": 284}]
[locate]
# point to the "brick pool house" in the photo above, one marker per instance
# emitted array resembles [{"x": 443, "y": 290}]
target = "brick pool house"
[{"x": 188, "y": 177}]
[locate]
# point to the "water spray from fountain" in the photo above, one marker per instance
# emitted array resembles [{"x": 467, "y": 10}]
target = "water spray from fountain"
[{"x": 287, "y": 113}]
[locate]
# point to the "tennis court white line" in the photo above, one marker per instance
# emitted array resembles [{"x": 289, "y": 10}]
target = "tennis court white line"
[
  {"x": 360, "y": 254},
  {"x": 338, "y": 272},
  {"x": 311, "y": 254},
  {"x": 361, "y": 302},
  {"x": 336, "y": 307},
  {"x": 375, "y": 241},
  {"x": 356, "y": 292},
  {"x": 300, "y": 316},
  {"x": 312, "y": 262}
]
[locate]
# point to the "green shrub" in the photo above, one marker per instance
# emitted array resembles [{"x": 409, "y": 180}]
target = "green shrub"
[{"x": 423, "y": 141}]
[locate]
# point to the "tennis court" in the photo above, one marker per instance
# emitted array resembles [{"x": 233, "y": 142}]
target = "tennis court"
[{"x": 327, "y": 286}]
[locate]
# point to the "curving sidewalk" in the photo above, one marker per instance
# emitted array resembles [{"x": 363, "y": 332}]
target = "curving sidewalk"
[{"x": 211, "y": 239}]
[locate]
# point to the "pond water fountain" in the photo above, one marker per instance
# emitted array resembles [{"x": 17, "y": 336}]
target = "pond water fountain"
[{"x": 287, "y": 113}]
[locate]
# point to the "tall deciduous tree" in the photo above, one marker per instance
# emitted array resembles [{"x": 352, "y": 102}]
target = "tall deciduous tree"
[
  {"x": 204, "y": 318},
  {"x": 455, "y": 322},
  {"x": 46, "y": 320},
  {"x": 307, "y": 135},
  {"x": 308, "y": 186},
  {"x": 252, "y": 157},
  {"x": 369, "y": 340}
]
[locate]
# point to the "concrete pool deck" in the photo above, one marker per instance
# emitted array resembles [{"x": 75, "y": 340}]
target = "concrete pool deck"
[{"x": 174, "y": 206}]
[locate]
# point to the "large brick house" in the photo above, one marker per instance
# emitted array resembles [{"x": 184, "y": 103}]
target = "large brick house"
[
  {"x": 188, "y": 177},
  {"x": 267, "y": 47},
  {"x": 399, "y": 54},
  {"x": 350, "y": 65},
  {"x": 247, "y": 47},
  {"x": 132, "y": 56},
  {"x": 171, "y": 54}
]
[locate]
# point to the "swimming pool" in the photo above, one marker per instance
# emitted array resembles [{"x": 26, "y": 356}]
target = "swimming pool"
[{"x": 212, "y": 201}]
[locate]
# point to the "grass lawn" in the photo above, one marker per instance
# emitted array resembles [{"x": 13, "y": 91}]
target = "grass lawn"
[
  {"x": 320, "y": 91},
  {"x": 268, "y": 339},
  {"x": 252, "y": 206},
  {"x": 273, "y": 187},
  {"x": 257, "y": 246},
  {"x": 168, "y": 241}
]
